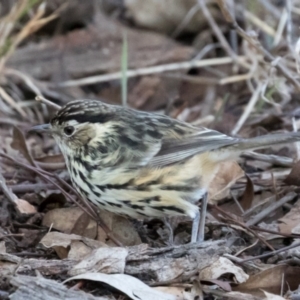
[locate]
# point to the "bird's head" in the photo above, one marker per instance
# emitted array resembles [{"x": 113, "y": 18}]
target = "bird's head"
[{"x": 81, "y": 123}]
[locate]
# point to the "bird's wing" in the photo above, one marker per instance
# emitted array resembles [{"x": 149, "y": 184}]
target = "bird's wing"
[{"x": 175, "y": 150}]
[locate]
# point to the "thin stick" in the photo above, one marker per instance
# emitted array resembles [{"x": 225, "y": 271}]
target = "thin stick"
[
  {"x": 47, "y": 102},
  {"x": 271, "y": 159},
  {"x": 216, "y": 29},
  {"x": 248, "y": 110},
  {"x": 270, "y": 253},
  {"x": 256, "y": 44},
  {"x": 155, "y": 69},
  {"x": 230, "y": 219},
  {"x": 266, "y": 212},
  {"x": 295, "y": 129}
]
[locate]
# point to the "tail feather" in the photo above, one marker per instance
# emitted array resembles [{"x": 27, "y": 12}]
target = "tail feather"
[{"x": 255, "y": 143}]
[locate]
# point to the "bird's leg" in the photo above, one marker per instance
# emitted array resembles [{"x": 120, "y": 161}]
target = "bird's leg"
[
  {"x": 171, "y": 231},
  {"x": 195, "y": 228},
  {"x": 201, "y": 230}
]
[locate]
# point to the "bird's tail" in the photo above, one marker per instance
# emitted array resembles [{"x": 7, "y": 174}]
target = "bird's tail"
[{"x": 255, "y": 143}]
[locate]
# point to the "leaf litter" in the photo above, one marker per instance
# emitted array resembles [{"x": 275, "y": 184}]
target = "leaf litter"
[{"x": 247, "y": 85}]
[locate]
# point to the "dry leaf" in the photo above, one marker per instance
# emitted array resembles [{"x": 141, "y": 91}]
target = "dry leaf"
[
  {"x": 221, "y": 267},
  {"x": 121, "y": 227},
  {"x": 18, "y": 143},
  {"x": 222, "y": 284},
  {"x": 179, "y": 292},
  {"x": 270, "y": 280},
  {"x": 248, "y": 196},
  {"x": 290, "y": 222},
  {"x": 2, "y": 247},
  {"x": 228, "y": 174},
  {"x": 270, "y": 296},
  {"x": 68, "y": 220},
  {"x": 294, "y": 177},
  {"x": 131, "y": 286},
  {"x": 25, "y": 207},
  {"x": 104, "y": 260},
  {"x": 70, "y": 245}
]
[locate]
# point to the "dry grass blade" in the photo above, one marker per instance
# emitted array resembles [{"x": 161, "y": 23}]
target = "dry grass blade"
[
  {"x": 34, "y": 24},
  {"x": 256, "y": 44},
  {"x": 47, "y": 102},
  {"x": 156, "y": 69}
]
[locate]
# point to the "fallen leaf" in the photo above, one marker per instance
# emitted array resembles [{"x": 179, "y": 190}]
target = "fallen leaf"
[
  {"x": 68, "y": 245},
  {"x": 2, "y": 247},
  {"x": 222, "y": 284},
  {"x": 67, "y": 220},
  {"x": 270, "y": 296},
  {"x": 178, "y": 291},
  {"x": 248, "y": 195},
  {"x": 220, "y": 267},
  {"x": 110, "y": 260},
  {"x": 25, "y": 207},
  {"x": 18, "y": 143},
  {"x": 121, "y": 228},
  {"x": 130, "y": 286},
  {"x": 294, "y": 177},
  {"x": 289, "y": 223},
  {"x": 228, "y": 174},
  {"x": 270, "y": 280}
]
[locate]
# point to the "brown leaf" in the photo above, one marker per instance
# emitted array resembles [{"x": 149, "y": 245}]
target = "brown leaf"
[
  {"x": 121, "y": 227},
  {"x": 270, "y": 280},
  {"x": 70, "y": 246},
  {"x": 248, "y": 196},
  {"x": 222, "y": 284},
  {"x": 220, "y": 267},
  {"x": 66, "y": 220},
  {"x": 18, "y": 143},
  {"x": 228, "y": 174},
  {"x": 25, "y": 207},
  {"x": 294, "y": 177},
  {"x": 81, "y": 224},
  {"x": 291, "y": 220}
]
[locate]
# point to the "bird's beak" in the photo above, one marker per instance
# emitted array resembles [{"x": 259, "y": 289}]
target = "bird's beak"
[{"x": 44, "y": 128}]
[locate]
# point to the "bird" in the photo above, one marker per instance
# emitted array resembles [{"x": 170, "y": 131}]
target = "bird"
[{"x": 143, "y": 164}]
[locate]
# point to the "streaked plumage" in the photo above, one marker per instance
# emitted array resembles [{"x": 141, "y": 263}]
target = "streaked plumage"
[{"x": 143, "y": 164}]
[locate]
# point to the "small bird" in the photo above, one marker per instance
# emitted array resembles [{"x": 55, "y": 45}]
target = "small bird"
[{"x": 142, "y": 164}]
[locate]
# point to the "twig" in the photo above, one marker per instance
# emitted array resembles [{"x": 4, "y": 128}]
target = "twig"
[
  {"x": 6, "y": 190},
  {"x": 256, "y": 44},
  {"x": 186, "y": 20},
  {"x": 248, "y": 110},
  {"x": 280, "y": 28},
  {"x": 42, "y": 99},
  {"x": 216, "y": 29},
  {"x": 8, "y": 99},
  {"x": 292, "y": 235},
  {"x": 229, "y": 218},
  {"x": 295, "y": 129},
  {"x": 266, "y": 212},
  {"x": 270, "y": 253},
  {"x": 271, "y": 159},
  {"x": 25, "y": 188},
  {"x": 154, "y": 70}
]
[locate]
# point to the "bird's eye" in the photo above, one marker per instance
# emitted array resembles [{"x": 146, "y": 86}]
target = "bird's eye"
[{"x": 69, "y": 130}]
